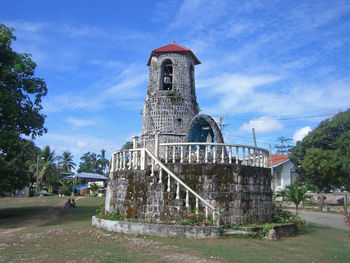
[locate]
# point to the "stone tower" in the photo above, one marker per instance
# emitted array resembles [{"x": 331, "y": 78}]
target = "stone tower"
[{"x": 170, "y": 102}]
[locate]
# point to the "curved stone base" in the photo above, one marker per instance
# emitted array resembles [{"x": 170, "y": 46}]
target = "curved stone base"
[{"x": 159, "y": 230}]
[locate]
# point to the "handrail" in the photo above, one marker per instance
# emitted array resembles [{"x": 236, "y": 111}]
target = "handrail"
[
  {"x": 212, "y": 144},
  {"x": 163, "y": 166}
]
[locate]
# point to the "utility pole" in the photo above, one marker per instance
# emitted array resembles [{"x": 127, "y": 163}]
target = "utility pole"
[
  {"x": 37, "y": 175},
  {"x": 220, "y": 123},
  {"x": 273, "y": 179},
  {"x": 254, "y": 137}
]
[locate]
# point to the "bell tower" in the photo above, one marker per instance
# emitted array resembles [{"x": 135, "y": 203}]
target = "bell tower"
[{"x": 170, "y": 102}]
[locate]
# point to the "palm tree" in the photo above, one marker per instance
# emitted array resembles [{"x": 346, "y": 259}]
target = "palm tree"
[
  {"x": 48, "y": 173},
  {"x": 296, "y": 193},
  {"x": 66, "y": 161},
  {"x": 102, "y": 160}
]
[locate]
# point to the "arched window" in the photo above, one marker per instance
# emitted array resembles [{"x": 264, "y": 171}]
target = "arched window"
[{"x": 167, "y": 75}]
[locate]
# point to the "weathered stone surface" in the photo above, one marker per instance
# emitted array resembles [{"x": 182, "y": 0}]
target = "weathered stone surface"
[
  {"x": 157, "y": 229},
  {"x": 239, "y": 201}
]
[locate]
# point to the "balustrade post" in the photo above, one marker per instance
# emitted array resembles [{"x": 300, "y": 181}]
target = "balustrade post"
[
  {"x": 174, "y": 152},
  {"x": 177, "y": 190},
  {"x": 206, "y": 214},
  {"x": 166, "y": 153},
  {"x": 206, "y": 153},
  {"x": 160, "y": 175},
  {"x": 230, "y": 160},
  {"x": 197, "y": 152},
  {"x": 237, "y": 154},
  {"x": 143, "y": 160},
  {"x": 189, "y": 153},
  {"x": 113, "y": 162},
  {"x": 223, "y": 154},
  {"x": 182, "y": 154},
  {"x": 135, "y": 141},
  {"x": 130, "y": 164},
  {"x": 197, "y": 207},
  {"x": 244, "y": 161},
  {"x": 187, "y": 205},
  {"x": 214, "y": 154},
  {"x": 124, "y": 160}
]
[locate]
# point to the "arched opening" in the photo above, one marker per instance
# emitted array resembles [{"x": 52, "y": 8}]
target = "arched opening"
[
  {"x": 204, "y": 129},
  {"x": 167, "y": 75}
]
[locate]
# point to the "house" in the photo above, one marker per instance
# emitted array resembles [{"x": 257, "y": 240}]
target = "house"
[{"x": 284, "y": 172}]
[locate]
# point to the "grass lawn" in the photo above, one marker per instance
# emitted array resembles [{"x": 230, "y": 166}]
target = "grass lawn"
[{"x": 66, "y": 235}]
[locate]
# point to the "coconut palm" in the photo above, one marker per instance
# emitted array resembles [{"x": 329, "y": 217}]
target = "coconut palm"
[
  {"x": 66, "y": 161},
  {"x": 48, "y": 173},
  {"x": 103, "y": 161}
]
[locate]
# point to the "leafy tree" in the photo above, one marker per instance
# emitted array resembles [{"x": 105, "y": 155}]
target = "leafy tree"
[
  {"x": 20, "y": 105},
  {"x": 103, "y": 161},
  {"x": 128, "y": 145},
  {"x": 323, "y": 156},
  {"x": 48, "y": 173},
  {"x": 296, "y": 194},
  {"x": 66, "y": 161},
  {"x": 89, "y": 164},
  {"x": 283, "y": 147}
]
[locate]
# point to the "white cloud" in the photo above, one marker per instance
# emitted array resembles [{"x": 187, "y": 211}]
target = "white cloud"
[
  {"x": 301, "y": 133},
  {"x": 262, "y": 125},
  {"x": 79, "y": 123}
]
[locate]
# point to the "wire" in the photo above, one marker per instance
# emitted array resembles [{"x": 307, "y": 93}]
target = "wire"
[{"x": 281, "y": 119}]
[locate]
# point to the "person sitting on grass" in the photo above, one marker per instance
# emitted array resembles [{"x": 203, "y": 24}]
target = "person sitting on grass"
[
  {"x": 73, "y": 204},
  {"x": 68, "y": 204}
]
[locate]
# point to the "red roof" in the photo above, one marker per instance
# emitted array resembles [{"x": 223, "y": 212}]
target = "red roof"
[
  {"x": 173, "y": 48},
  {"x": 277, "y": 159}
]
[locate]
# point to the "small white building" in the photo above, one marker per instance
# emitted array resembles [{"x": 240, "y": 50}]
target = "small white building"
[{"x": 284, "y": 172}]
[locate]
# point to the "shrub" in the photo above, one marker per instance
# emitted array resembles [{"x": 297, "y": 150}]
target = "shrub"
[
  {"x": 114, "y": 215},
  {"x": 282, "y": 216},
  {"x": 267, "y": 227},
  {"x": 196, "y": 218},
  {"x": 64, "y": 190}
]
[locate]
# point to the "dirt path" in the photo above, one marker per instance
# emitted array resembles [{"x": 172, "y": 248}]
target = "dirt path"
[{"x": 40, "y": 219}]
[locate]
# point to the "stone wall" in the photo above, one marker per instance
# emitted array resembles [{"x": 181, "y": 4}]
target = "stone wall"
[{"x": 242, "y": 193}]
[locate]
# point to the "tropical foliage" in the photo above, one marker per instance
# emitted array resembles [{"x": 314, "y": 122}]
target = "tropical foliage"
[
  {"x": 20, "y": 105},
  {"x": 323, "y": 156},
  {"x": 66, "y": 161},
  {"x": 296, "y": 194}
]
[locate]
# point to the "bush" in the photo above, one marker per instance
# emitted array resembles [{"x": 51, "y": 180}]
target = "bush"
[
  {"x": 283, "y": 217},
  {"x": 114, "y": 215},
  {"x": 64, "y": 190},
  {"x": 195, "y": 218}
]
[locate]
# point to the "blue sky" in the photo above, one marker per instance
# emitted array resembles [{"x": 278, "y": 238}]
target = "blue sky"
[{"x": 271, "y": 65}]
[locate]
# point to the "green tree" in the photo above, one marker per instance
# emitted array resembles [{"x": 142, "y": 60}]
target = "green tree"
[
  {"x": 283, "y": 147},
  {"x": 296, "y": 194},
  {"x": 323, "y": 156},
  {"x": 127, "y": 146},
  {"x": 20, "y": 105},
  {"x": 48, "y": 173},
  {"x": 66, "y": 161},
  {"x": 103, "y": 161},
  {"x": 89, "y": 164}
]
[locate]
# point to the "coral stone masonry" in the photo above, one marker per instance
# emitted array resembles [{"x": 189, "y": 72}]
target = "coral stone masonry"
[{"x": 181, "y": 162}]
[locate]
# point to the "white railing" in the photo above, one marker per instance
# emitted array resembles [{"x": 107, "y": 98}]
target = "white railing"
[
  {"x": 197, "y": 152},
  {"x": 142, "y": 158}
]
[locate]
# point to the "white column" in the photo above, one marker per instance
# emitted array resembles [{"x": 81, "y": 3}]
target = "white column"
[
  {"x": 197, "y": 153},
  {"x": 187, "y": 205},
  {"x": 174, "y": 151},
  {"x": 177, "y": 190},
  {"x": 166, "y": 154},
  {"x": 135, "y": 141}
]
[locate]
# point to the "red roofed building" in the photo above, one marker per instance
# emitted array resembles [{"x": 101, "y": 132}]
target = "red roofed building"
[{"x": 284, "y": 172}]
